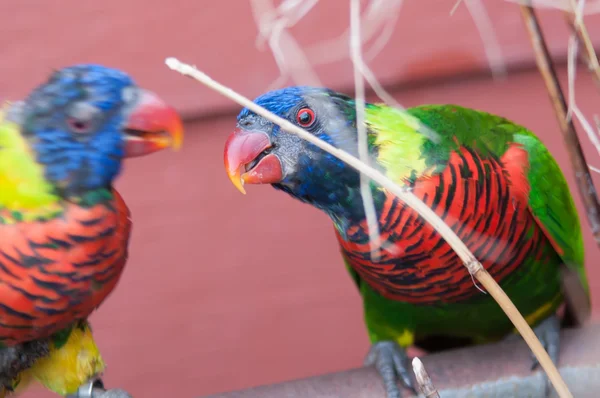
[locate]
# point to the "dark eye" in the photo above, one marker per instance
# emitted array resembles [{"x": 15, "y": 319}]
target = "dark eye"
[
  {"x": 305, "y": 117},
  {"x": 79, "y": 126}
]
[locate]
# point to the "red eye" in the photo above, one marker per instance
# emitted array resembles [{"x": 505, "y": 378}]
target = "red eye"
[
  {"x": 79, "y": 126},
  {"x": 305, "y": 117}
]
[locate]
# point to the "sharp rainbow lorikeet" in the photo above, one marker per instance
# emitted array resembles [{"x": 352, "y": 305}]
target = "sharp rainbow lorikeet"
[
  {"x": 64, "y": 229},
  {"x": 492, "y": 181}
]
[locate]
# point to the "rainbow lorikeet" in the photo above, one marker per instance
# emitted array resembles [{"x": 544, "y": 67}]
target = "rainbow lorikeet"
[
  {"x": 64, "y": 229},
  {"x": 492, "y": 181}
]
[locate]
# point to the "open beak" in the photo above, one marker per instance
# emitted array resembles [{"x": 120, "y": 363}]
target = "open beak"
[
  {"x": 248, "y": 159},
  {"x": 152, "y": 125}
]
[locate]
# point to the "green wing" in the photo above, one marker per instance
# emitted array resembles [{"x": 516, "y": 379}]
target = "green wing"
[
  {"x": 404, "y": 149},
  {"x": 552, "y": 205}
]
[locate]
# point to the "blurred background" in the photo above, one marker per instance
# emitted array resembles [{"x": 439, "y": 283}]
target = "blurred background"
[{"x": 225, "y": 291}]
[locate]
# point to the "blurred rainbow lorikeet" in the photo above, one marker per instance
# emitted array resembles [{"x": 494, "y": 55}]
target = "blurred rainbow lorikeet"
[
  {"x": 64, "y": 229},
  {"x": 492, "y": 181}
]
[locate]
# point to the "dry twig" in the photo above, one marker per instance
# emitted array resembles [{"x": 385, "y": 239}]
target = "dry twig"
[
  {"x": 379, "y": 16},
  {"x": 473, "y": 265},
  {"x": 423, "y": 380},
  {"x": 363, "y": 145},
  {"x": 583, "y": 177},
  {"x": 273, "y": 24},
  {"x": 589, "y": 55},
  {"x": 579, "y": 35},
  {"x": 484, "y": 25},
  {"x": 573, "y": 109},
  {"x": 565, "y": 5}
]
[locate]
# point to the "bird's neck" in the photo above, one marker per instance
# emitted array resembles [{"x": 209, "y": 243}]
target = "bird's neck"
[
  {"x": 23, "y": 187},
  {"x": 338, "y": 194}
]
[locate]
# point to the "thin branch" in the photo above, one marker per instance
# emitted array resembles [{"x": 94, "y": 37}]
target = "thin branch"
[
  {"x": 389, "y": 100},
  {"x": 386, "y": 34},
  {"x": 423, "y": 380},
  {"x": 273, "y": 24},
  {"x": 471, "y": 263},
  {"x": 379, "y": 15},
  {"x": 575, "y": 21},
  {"x": 583, "y": 176},
  {"x": 579, "y": 33},
  {"x": 484, "y": 25},
  {"x": 572, "y": 50},
  {"x": 564, "y": 5},
  {"x": 573, "y": 109},
  {"x": 363, "y": 146}
]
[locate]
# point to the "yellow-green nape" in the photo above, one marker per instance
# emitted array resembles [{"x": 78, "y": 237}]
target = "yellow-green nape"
[
  {"x": 22, "y": 183},
  {"x": 65, "y": 369},
  {"x": 399, "y": 139}
]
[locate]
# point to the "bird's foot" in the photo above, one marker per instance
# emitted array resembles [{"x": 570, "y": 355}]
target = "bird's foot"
[
  {"x": 95, "y": 389},
  {"x": 548, "y": 332},
  {"x": 391, "y": 363}
]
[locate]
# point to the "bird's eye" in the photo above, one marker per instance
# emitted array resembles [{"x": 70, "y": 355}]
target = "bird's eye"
[
  {"x": 305, "y": 117},
  {"x": 82, "y": 117},
  {"x": 79, "y": 126}
]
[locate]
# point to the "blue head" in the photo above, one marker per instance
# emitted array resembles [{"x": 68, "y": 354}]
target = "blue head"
[
  {"x": 259, "y": 152},
  {"x": 85, "y": 119}
]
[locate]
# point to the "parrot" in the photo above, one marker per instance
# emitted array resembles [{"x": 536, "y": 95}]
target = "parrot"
[
  {"x": 492, "y": 181},
  {"x": 64, "y": 229}
]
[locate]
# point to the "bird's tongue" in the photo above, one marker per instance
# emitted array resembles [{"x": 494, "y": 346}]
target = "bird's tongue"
[{"x": 246, "y": 159}]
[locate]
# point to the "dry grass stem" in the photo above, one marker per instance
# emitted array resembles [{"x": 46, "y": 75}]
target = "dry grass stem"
[
  {"x": 273, "y": 24},
  {"x": 596, "y": 169},
  {"x": 574, "y": 18},
  {"x": 583, "y": 177},
  {"x": 579, "y": 35},
  {"x": 564, "y": 5},
  {"x": 363, "y": 145},
  {"x": 389, "y": 100},
  {"x": 423, "y": 380},
  {"x": 573, "y": 109},
  {"x": 484, "y": 25},
  {"x": 469, "y": 260},
  {"x": 380, "y": 16}
]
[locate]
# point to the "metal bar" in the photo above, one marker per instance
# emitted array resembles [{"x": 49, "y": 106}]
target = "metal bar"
[{"x": 493, "y": 370}]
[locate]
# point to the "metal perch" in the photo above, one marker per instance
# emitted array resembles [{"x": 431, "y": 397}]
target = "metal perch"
[{"x": 95, "y": 389}]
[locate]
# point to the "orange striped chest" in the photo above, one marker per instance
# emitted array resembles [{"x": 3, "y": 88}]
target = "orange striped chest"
[
  {"x": 485, "y": 203},
  {"x": 56, "y": 271}
]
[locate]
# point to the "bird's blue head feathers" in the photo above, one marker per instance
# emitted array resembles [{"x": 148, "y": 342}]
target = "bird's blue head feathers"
[
  {"x": 73, "y": 124},
  {"x": 309, "y": 173}
]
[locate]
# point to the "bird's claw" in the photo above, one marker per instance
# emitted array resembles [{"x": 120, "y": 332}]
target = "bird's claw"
[
  {"x": 391, "y": 363},
  {"x": 95, "y": 389},
  {"x": 548, "y": 332}
]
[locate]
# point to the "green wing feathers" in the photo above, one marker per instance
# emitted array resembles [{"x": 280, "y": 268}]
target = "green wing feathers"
[
  {"x": 552, "y": 205},
  {"x": 404, "y": 150}
]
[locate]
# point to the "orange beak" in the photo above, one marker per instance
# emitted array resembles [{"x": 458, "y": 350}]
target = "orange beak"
[
  {"x": 247, "y": 159},
  {"x": 152, "y": 125}
]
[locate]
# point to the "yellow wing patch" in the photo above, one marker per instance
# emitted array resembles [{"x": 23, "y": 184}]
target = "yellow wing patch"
[{"x": 398, "y": 136}]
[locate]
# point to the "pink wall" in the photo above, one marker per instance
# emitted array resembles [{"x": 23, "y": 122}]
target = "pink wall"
[
  {"x": 225, "y": 291},
  {"x": 137, "y": 35}
]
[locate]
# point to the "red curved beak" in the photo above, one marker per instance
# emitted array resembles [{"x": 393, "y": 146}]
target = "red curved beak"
[
  {"x": 247, "y": 159},
  {"x": 152, "y": 125}
]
